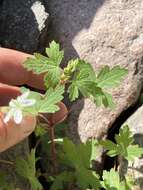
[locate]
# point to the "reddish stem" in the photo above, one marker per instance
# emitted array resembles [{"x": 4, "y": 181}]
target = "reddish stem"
[{"x": 53, "y": 149}]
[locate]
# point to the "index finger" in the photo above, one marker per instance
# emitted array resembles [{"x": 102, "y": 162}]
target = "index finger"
[{"x": 12, "y": 71}]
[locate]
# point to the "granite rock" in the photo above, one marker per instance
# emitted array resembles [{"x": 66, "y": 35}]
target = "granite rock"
[{"x": 103, "y": 32}]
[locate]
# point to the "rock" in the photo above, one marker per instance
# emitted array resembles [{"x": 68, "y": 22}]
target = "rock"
[
  {"x": 103, "y": 32},
  {"x": 23, "y": 24},
  {"x": 135, "y": 168}
]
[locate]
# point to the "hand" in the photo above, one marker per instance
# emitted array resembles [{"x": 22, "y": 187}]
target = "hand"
[{"x": 12, "y": 74}]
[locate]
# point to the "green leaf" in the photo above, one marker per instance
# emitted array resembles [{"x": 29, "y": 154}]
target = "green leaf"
[
  {"x": 110, "y": 146},
  {"x": 109, "y": 101},
  {"x": 87, "y": 179},
  {"x": 50, "y": 100},
  {"x": 54, "y": 53},
  {"x": 102, "y": 98},
  {"x": 129, "y": 182},
  {"x": 83, "y": 81},
  {"x": 124, "y": 145},
  {"x": 70, "y": 154},
  {"x": 35, "y": 184},
  {"x": 61, "y": 179},
  {"x": 109, "y": 78},
  {"x": 47, "y": 65},
  {"x": 133, "y": 152},
  {"x": 40, "y": 130},
  {"x": 86, "y": 152},
  {"x": 85, "y": 68},
  {"x": 73, "y": 92},
  {"x": 111, "y": 180},
  {"x": 53, "y": 77},
  {"x": 26, "y": 168},
  {"x": 80, "y": 74},
  {"x": 90, "y": 86},
  {"x": 79, "y": 157},
  {"x": 36, "y": 64},
  {"x": 124, "y": 136}
]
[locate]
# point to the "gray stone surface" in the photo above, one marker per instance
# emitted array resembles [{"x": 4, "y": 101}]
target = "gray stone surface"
[
  {"x": 23, "y": 24},
  {"x": 135, "y": 168},
  {"x": 103, "y": 32}
]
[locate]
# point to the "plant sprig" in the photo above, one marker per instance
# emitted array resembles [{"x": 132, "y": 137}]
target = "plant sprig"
[
  {"x": 79, "y": 78},
  {"x": 78, "y": 74},
  {"x": 124, "y": 145}
]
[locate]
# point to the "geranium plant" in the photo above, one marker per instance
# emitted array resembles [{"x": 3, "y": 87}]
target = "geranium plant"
[{"x": 77, "y": 78}]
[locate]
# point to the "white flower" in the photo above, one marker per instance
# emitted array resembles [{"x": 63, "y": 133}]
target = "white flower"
[{"x": 16, "y": 107}]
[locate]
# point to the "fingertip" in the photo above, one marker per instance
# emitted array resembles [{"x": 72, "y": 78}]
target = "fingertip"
[
  {"x": 60, "y": 115},
  {"x": 2, "y": 126},
  {"x": 11, "y": 133},
  {"x": 8, "y": 92},
  {"x": 28, "y": 124}
]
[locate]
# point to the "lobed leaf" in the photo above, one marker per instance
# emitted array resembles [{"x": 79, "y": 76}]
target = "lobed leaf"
[
  {"x": 124, "y": 145},
  {"x": 26, "y": 168},
  {"x": 54, "y": 53},
  {"x": 79, "y": 157},
  {"x": 111, "y": 181},
  {"x": 109, "y": 78},
  {"x": 47, "y": 65},
  {"x": 50, "y": 100}
]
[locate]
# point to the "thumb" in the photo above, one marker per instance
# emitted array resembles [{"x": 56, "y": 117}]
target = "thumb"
[
  {"x": 8, "y": 92},
  {"x": 11, "y": 133}
]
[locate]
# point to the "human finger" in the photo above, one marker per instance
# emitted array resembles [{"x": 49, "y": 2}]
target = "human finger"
[
  {"x": 8, "y": 92},
  {"x": 11, "y": 133},
  {"x": 12, "y": 71}
]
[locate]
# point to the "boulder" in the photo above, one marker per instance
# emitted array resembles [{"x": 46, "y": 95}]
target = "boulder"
[
  {"x": 23, "y": 24},
  {"x": 103, "y": 32},
  {"x": 134, "y": 168}
]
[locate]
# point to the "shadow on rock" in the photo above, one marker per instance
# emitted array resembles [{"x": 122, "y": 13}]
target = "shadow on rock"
[
  {"x": 67, "y": 19},
  {"x": 23, "y": 24}
]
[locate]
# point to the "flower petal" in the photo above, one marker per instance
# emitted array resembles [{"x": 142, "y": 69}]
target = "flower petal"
[
  {"x": 23, "y": 96},
  {"x": 12, "y": 103},
  {"x": 17, "y": 116},
  {"x": 28, "y": 102},
  {"x": 8, "y": 116}
]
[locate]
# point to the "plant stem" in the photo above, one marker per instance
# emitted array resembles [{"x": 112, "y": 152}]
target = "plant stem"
[
  {"x": 6, "y": 162},
  {"x": 37, "y": 143},
  {"x": 53, "y": 149}
]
